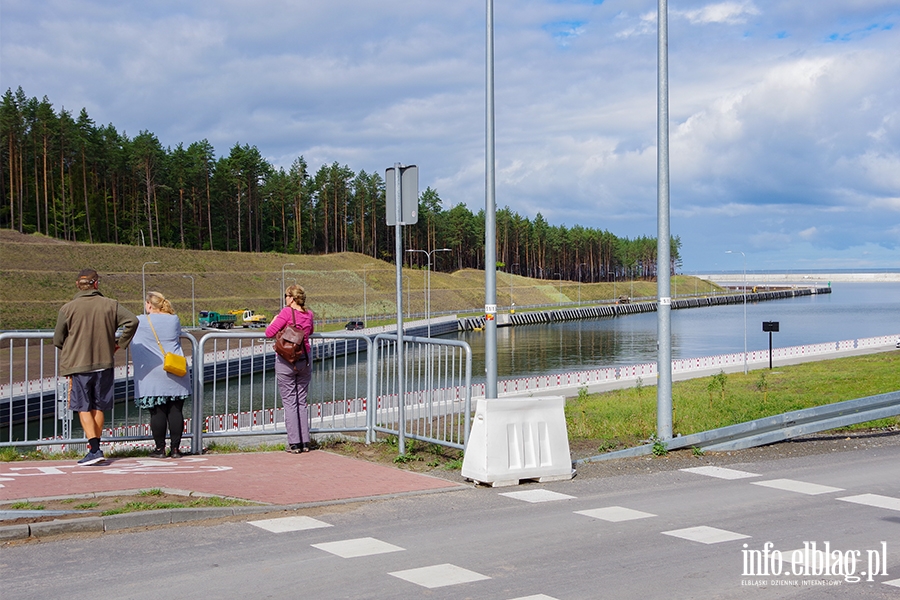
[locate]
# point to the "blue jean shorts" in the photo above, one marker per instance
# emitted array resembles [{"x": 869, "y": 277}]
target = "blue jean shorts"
[{"x": 92, "y": 391}]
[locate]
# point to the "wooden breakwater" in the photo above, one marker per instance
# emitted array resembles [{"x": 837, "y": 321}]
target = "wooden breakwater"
[{"x": 614, "y": 310}]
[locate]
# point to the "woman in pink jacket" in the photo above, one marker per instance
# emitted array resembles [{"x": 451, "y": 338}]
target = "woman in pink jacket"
[{"x": 293, "y": 378}]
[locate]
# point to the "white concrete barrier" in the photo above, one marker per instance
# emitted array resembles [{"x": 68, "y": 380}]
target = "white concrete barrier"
[{"x": 515, "y": 439}]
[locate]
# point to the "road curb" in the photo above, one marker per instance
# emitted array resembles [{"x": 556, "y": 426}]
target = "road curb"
[
  {"x": 174, "y": 516},
  {"x": 148, "y": 518}
]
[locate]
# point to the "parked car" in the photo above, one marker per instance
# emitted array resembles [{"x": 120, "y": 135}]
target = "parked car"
[{"x": 353, "y": 325}]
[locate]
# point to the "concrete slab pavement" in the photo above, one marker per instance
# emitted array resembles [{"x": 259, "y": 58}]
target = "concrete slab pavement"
[
  {"x": 273, "y": 479},
  {"x": 266, "y": 477}
]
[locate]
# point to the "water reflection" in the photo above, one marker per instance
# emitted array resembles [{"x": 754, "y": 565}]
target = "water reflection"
[{"x": 851, "y": 311}]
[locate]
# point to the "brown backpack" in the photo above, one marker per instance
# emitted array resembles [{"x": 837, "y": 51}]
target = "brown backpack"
[{"x": 290, "y": 342}]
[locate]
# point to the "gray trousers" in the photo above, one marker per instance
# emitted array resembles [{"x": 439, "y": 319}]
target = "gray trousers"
[{"x": 293, "y": 385}]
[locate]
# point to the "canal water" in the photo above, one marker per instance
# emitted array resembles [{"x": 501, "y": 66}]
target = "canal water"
[{"x": 851, "y": 311}]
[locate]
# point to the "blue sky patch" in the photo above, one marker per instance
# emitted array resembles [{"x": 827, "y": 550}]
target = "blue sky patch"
[
  {"x": 859, "y": 34},
  {"x": 564, "y": 32}
]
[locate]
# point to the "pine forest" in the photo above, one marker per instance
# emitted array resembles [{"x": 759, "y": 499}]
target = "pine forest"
[{"x": 68, "y": 178}]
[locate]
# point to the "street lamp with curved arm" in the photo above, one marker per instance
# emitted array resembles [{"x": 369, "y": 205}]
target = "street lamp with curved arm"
[
  {"x": 579, "y": 281},
  {"x": 408, "y": 303},
  {"x": 144, "y": 283},
  {"x": 283, "y": 287},
  {"x": 193, "y": 307},
  {"x": 560, "y": 288},
  {"x": 511, "y": 305},
  {"x": 428, "y": 254},
  {"x": 365, "y": 312}
]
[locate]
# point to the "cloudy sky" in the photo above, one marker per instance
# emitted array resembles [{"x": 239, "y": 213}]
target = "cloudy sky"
[{"x": 785, "y": 115}]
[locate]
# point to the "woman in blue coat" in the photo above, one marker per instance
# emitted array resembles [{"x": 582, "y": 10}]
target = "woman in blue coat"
[{"x": 160, "y": 392}]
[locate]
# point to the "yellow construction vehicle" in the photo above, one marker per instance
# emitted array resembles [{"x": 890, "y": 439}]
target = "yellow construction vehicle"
[{"x": 249, "y": 318}]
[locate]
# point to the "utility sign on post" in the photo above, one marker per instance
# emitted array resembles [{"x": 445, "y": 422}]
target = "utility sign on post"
[
  {"x": 409, "y": 195},
  {"x": 401, "y": 186},
  {"x": 770, "y": 326}
]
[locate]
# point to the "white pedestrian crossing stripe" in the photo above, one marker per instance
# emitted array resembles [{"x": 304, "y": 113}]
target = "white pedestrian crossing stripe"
[
  {"x": 706, "y": 535},
  {"x": 284, "y": 524},
  {"x": 614, "y": 514},
  {"x": 537, "y": 496},
  {"x": 720, "y": 472},
  {"x": 806, "y": 557},
  {"x": 874, "y": 500},
  {"x": 801, "y": 487},
  {"x": 358, "y": 547},
  {"x": 439, "y": 576}
]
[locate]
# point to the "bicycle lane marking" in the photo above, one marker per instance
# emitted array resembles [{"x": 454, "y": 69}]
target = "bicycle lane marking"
[{"x": 26, "y": 474}]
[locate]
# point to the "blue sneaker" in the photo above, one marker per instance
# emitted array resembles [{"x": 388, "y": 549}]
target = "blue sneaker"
[{"x": 92, "y": 458}]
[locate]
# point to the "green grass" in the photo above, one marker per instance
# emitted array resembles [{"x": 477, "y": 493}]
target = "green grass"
[
  {"x": 627, "y": 417},
  {"x": 37, "y": 278},
  {"x": 24, "y": 505},
  {"x": 141, "y": 505},
  {"x": 216, "y": 447}
]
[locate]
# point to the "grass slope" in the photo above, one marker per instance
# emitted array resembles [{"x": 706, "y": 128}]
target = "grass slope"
[
  {"x": 37, "y": 276},
  {"x": 625, "y": 418}
]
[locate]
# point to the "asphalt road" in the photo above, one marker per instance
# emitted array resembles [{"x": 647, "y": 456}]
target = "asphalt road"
[{"x": 674, "y": 534}]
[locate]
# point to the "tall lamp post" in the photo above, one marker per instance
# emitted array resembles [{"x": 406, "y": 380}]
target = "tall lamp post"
[
  {"x": 283, "y": 287},
  {"x": 365, "y": 315},
  {"x": 428, "y": 254},
  {"x": 744, "y": 285},
  {"x": 193, "y": 307},
  {"x": 511, "y": 305},
  {"x": 560, "y": 288},
  {"x": 579, "y": 282},
  {"x": 408, "y": 304},
  {"x": 144, "y": 283}
]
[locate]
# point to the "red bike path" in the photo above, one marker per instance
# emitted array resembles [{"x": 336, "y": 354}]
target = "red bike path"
[{"x": 276, "y": 478}]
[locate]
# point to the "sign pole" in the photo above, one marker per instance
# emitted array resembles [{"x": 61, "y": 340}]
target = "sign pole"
[
  {"x": 663, "y": 249},
  {"x": 398, "y": 252},
  {"x": 490, "y": 220}
]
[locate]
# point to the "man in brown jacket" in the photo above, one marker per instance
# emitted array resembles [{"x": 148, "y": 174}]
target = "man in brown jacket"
[{"x": 86, "y": 335}]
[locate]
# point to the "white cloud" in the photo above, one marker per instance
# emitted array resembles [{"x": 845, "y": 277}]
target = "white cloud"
[
  {"x": 645, "y": 25},
  {"x": 809, "y": 233},
  {"x": 730, "y": 13},
  {"x": 784, "y": 120}
]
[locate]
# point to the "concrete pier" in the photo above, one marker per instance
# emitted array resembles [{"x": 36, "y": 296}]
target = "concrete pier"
[
  {"x": 802, "y": 279},
  {"x": 613, "y": 310}
]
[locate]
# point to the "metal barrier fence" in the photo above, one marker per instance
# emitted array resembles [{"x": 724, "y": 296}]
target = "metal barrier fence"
[
  {"x": 354, "y": 388},
  {"x": 34, "y": 398},
  {"x": 240, "y": 396},
  {"x": 437, "y": 390},
  {"x": 569, "y": 383}
]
